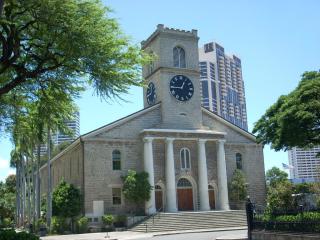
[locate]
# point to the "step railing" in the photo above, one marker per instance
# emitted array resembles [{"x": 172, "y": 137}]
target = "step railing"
[{"x": 153, "y": 216}]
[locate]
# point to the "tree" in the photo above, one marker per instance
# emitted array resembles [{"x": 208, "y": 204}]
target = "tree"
[
  {"x": 136, "y": 187},
  {"x": 280, "y": 197},
  {"x": 66, "y": 200},
  {"x": 8, "y": 197},
  {"x": 294, "y": 120},
  {"x": 274, "y": 176},
  {"x": 238, "y": 186},
  {"x": 76, "y": 38}
]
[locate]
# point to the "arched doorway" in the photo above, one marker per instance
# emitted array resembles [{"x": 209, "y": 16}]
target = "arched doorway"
[
  {"x": 184, "y": 195},
  {"x": 212, "y": 200},
  {"x": 159, "y": 197}
]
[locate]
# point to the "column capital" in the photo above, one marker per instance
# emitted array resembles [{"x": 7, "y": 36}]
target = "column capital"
[
  {"x": 202, "y": 140},
  {"x": 169, "y": 139},
  {"x": 148, "y": 139},
  {"x": 221, "y": 140}
]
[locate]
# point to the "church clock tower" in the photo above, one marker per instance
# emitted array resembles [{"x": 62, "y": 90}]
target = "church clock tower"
[{"x": 173, "y": 77}]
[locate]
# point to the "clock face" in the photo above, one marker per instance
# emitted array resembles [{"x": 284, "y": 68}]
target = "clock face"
[
  {"x": 181, "y": 88},
  {"x": 151, "y": 94}
]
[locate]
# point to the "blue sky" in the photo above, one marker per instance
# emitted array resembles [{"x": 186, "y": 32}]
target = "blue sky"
[{"x": 276, "y": 40}]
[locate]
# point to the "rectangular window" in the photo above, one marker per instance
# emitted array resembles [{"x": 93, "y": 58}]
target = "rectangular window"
[
  {"x": 116, "y": 196},
  {"x": 204, "y": 85},
  {"x": 116, "y": 165}
]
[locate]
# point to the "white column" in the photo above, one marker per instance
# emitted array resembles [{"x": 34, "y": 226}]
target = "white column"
[
  {"x": 171, "y": 193},
  {"x": 150, "y": 206},
  {"x": 203, "y": 176},
  {"x": 223, "y": 201}
]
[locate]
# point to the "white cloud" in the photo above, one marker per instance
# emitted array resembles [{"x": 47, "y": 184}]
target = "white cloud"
[{"x": 4, "y": 164}]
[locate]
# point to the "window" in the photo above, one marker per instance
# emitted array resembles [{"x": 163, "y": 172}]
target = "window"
[
  {"x": 116, "y": 196},
  {"x": 204, "y": 86},
  {"x": 179, "y": 58},
  {"x": 185, "y": 158},
  {"x": 184, "y": 183},
  {"x": 239, "y": 161},
  {"x": 116, "y": 160}
]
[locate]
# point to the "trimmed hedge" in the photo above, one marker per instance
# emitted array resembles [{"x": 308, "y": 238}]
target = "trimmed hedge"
[
  {"x": 13, "y": 235},
  {"x": 302, "y": 222}
]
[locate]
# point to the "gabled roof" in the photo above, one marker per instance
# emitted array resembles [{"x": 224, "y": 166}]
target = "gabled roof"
[
  {"x": 119, "y": 121},
  {"x": 229, "y": 124}
]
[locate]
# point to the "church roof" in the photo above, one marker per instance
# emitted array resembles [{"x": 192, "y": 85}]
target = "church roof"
[{"x": 229, "y": 124}]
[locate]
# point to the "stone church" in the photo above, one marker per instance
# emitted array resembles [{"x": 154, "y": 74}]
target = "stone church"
[{"x": 189, "y": 152}]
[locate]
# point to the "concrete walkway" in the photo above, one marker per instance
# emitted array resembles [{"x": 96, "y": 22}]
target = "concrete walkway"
[{"x": 138, "y": 235}]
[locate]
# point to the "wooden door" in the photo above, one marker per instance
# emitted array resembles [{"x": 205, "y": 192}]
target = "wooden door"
[
  {"x": 159, "y": 203},
  {"x": 185, "y": 199},
  {"x": 212, "y": 200}
]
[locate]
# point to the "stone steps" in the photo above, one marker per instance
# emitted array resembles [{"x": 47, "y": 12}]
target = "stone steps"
[{"x": 163, "y": 222}]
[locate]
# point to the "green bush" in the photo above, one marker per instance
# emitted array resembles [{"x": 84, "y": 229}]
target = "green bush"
[
  {"x": 82, "y": 225},
  {"x": 7, "y": 223},
  {"x": 40, "y": 223},
  {"x": 13, "y": 235},
  {"x": 108, "y": 219},
  {"x": 120, "y": 221},
  {"x": 58, "y": 224}
]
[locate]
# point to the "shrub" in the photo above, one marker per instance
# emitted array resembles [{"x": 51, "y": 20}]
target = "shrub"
[
  {"x": 120, "y": 221},
  {"x": 13, "y": 235},
  {"x": 108, "y": 219},
  {"x": 238, "y": 187},
  {"x": 41, "y": 222},
  {"x": 7, "y": 223},
  {"x": 82, "y": 225},
  {"x": 66, "y": 200},
  {"x": 58, "y": 224}
]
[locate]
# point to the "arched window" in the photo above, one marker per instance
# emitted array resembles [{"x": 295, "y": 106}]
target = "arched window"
[
  {"x": 185, "y": 158},
  {"x": 179, "y": 57},
  {"x": 151, "y": 64},
  {"x": 239, "y": 161},
  {"x": 184, "y": 183},
  {"x": 116, "y": 160}
]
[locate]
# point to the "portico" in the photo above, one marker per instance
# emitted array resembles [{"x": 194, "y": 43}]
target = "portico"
[{"x": 197, "y": 138}]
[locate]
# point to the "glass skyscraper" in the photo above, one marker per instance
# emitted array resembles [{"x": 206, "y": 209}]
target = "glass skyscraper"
[{"x": 222, "y": 85}]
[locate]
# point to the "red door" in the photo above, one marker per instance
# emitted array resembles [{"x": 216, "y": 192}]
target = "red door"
[
  {"x": 185, "y": 199},
  {"x": 159, "y": 204},
  {"x": 212, "y": 201}
]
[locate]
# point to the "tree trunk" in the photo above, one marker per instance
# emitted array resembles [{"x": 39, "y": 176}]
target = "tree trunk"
[
  {"x": 49, "y": 200},
  {"x": 28, "y": 183},
  {"x": 38, "y": 208},
  {"x": 22, "y": 191},
  {"x": 17, "y": 194},
  {"x": 33, "y": 190},
  {"x": 1, "y": 7}
]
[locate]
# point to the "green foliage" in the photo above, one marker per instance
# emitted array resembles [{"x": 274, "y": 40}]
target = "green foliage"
[
  {"x": 120, "y": 220},
  {"x": 303, "y": 188},
  {"x": 13, "y": 235},
  {"x": 136, "y": 187},
  {"x": 280, "y": 197},
  {"x": 293, "y": 121},
  {"x": 66, "y": 200},
  {"x": 7, "y": 198},
  {"x": 275, "y": 176},
  {"x": 82, "y": 225},
  {"x": 41, "y": 222},
  {"x": 58, "y": 225},
  {"x": 238, "y": 186},
  {"x": 108, "y": 219},
  {"x": 63, "y": 46}
]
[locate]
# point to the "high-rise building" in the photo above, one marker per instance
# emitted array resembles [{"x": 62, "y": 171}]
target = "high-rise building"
[
  {"x": 305, "y": 163},
  {"x": 73, "y": 125},
  {"x": 222, "y": 85},
  {"x": 59, "y": 137}
]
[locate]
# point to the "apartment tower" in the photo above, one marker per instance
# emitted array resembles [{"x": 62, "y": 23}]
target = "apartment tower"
[{"x": 222, "y": 85}]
